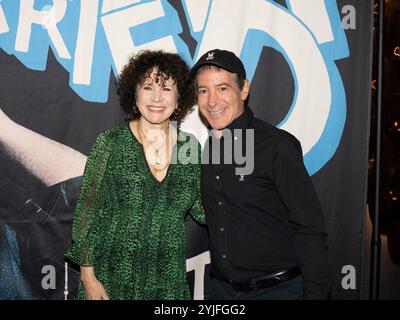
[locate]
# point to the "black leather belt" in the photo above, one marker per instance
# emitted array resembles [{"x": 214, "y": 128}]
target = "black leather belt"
[{"x": 268, "y": 281}]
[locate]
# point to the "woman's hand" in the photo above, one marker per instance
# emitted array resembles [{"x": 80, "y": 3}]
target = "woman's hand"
[{"x": 94, "y": 290}]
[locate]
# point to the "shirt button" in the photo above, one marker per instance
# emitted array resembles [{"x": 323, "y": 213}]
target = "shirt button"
[
  {"x": 217, "y": 177},
  {"x": 235, "y": 137},
  {"x": 223, "y": 256},
  {"x": 220, "y": 203},
  {"x": 222, "y": 229}
]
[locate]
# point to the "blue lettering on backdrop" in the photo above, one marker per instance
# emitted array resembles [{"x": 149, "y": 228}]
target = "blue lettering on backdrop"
[{"x": 29, "y": 28}]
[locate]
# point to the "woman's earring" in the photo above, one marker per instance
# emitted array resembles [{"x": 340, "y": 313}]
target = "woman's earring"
[{"x": 177, "y": 110}]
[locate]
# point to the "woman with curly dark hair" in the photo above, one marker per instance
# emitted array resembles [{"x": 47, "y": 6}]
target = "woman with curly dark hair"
[{"x": 141, "y": 180}]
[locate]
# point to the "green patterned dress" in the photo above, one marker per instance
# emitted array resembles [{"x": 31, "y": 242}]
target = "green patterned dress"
[{"x": 130, "y": 226}]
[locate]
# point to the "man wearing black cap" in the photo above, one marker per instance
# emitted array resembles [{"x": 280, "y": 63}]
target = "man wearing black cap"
[{"x": 266, "y": 227}]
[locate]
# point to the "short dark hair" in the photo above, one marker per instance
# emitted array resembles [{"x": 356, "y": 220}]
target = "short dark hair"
[{"x": 168, "y": 65}]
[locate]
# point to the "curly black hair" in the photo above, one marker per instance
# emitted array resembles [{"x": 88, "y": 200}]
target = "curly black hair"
[{"x": 168, "y": 65}]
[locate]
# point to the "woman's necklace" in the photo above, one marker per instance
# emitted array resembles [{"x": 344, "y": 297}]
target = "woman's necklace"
[{"x": 158, "y": 161}]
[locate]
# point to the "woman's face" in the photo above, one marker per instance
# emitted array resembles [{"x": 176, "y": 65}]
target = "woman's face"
[{"x": 156, "y": 100}]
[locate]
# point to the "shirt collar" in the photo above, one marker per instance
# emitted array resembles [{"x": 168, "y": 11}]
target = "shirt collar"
[{"x": 243, "y": 121}]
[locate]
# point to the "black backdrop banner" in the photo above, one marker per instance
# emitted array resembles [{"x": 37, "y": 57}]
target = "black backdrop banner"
[{"x": 309, "y": 63}]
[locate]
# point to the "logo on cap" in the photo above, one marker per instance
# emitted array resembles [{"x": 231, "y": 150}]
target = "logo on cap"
[{"x": 210, "y": 56}]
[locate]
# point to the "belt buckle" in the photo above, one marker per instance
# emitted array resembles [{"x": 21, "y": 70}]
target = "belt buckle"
[
  {"x": 246, "y": 286},
  {"x": 252, "y": 285},
  {"x": 267, "y": 281}
]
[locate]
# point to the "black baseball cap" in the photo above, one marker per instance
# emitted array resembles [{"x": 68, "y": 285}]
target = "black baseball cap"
[{"x": 222, "y": 58}]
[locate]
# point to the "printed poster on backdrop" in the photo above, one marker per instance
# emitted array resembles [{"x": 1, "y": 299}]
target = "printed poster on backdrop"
[{"x": 309, "y": 67}]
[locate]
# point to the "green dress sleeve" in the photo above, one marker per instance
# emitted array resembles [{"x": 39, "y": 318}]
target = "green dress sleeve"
[
  {"x": 89, "y": 216},
  {"x": 197, "y": 210}
]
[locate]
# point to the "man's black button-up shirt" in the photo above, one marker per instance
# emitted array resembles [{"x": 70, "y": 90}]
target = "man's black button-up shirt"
[{"x": 266, "y": 220}]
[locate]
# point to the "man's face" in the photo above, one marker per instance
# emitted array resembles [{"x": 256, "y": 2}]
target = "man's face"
[{"x": 219, "y": 97}]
